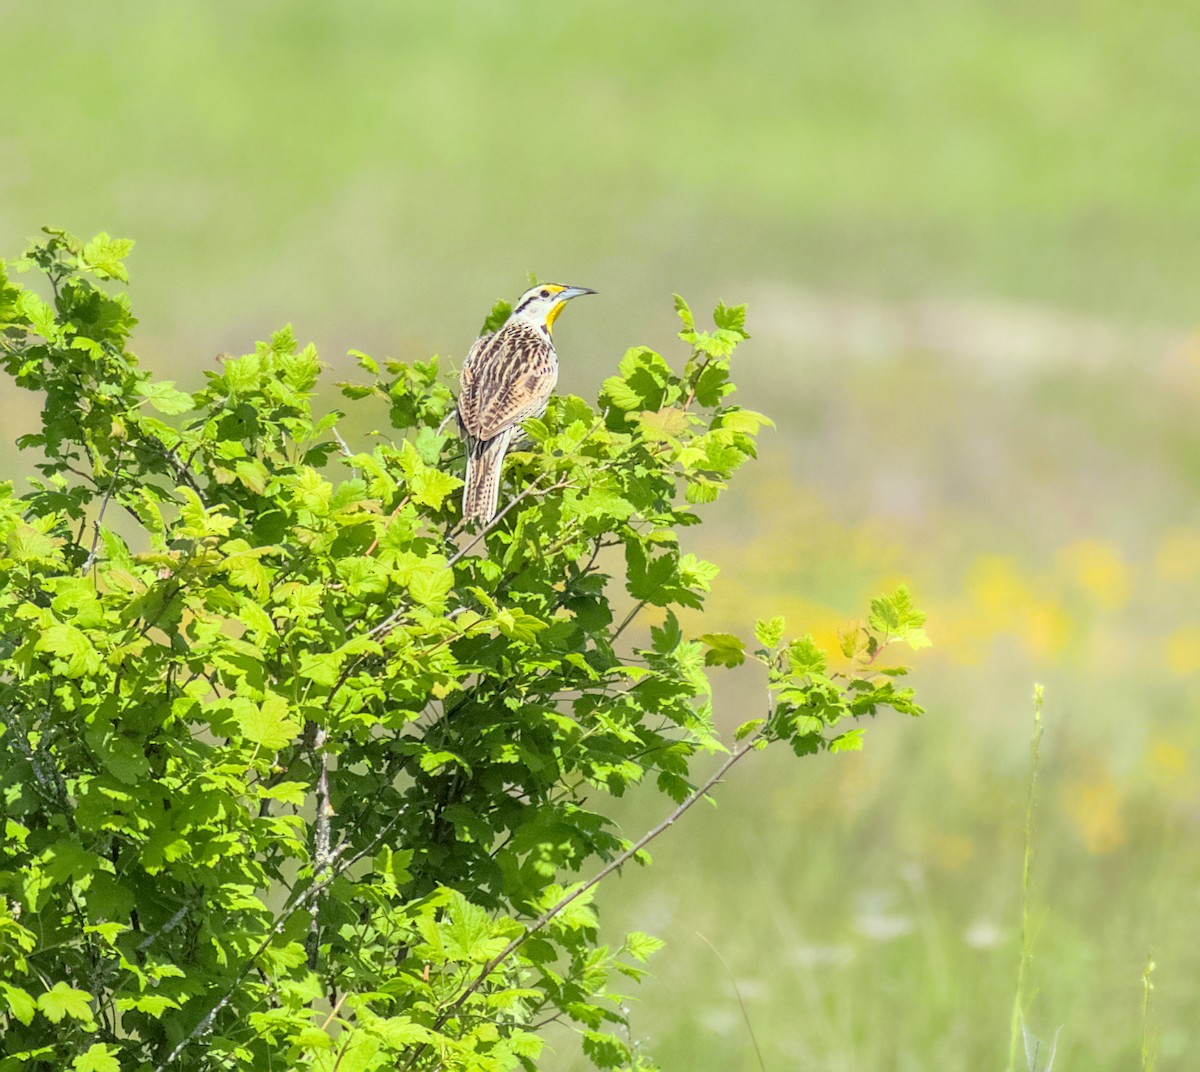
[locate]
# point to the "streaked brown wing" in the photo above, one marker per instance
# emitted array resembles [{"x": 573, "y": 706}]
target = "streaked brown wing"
[
  {"x": 507, "y": 379},
  {"x": 468, "y": 394}
]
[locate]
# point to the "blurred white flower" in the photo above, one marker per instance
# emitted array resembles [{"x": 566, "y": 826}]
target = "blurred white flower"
[{"x": 983, "y": 933}]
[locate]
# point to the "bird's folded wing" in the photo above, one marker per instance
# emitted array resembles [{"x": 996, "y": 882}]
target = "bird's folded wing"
[{"x": 502, "y": 385}]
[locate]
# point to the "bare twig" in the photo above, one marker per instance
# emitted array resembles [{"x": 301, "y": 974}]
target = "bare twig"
[
  {"x": 91, "y": 558},
  {"x": 321, "y": 853},
  {"x": 341, "y": 442},
  {"x": 167, "y": 927},
  {"x": 324, "y": 811}
]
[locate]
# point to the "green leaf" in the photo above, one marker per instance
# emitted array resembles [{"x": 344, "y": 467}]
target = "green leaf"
[
  {"x": 165, "y": 398},
  {"x": 103, "y": 256},
  {"x": 501, "y": 311},
  {"x": 358, "y": 1054},
  {"x": 897, "y": 618},
  {"x": 684, "y": 312},
  {"x": 321, "y": 668},
  {"x": 516, "y": 623},
  {"x": 251, "y": 473},
  {"x": 430, "y": 582},
  {"x": 99, "y": 1057},
  {"x": 266, "y": 724},
  {"x": 731, "y": 318},
  {"x": 769, "y": 633},
  {"x": 746, "y": 728},
  {"x": 724, "y": 649},
  {"x": 804, "y": 657},
  {"x": 294, "y": 793},
  {"x": 73, "y": 646},
  {"x": 430, "y": 486},
  {"x": 618, "y": 393},
  {"x": 40, "y": 315},
  {"x": 744, "y": 420},
  {"x": 663, "y": 424},
  {"x": 605, "y": 1051},
  {"x": 153, "y": 1004},
  {"x": 468, "y": 933},
  {"x": 641, "y": 946},
  {"x": 19, "y": 1002},
  {"x": 850, "y": 741},
  {"x": 62, "y": 1000}
]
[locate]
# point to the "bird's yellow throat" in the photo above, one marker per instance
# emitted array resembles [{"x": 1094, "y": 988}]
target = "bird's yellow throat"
[{"x": 553, "y": 314}]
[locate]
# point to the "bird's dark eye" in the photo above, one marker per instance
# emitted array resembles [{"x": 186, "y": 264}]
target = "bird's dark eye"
[{"x": 545, "y": 293}]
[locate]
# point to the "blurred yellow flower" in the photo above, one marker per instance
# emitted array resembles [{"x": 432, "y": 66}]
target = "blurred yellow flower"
[
  {"x": 1094, "y": 806},
  {"x": 998, "y": 590},
  {"x": 959, "y": 634},
  {"x": 1167, "y": 762},
  {"x": 1047, "y": 628},
  {"x": 1183, "y": 650},
  {"x": 1007, "y": 603},
  {"x": 1178, "y": 555},
  {"x": 1099, "y": 570}
]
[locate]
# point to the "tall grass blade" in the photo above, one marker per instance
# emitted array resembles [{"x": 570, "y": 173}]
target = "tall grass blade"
[
  {"x": 1149, "y": 1056},
  {"x": 1017, "y": 1031},
  {"x": 737, "y": 990}
]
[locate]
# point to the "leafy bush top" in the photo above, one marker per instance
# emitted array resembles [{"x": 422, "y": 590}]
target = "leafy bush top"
[{"x": 296, "y": 774}]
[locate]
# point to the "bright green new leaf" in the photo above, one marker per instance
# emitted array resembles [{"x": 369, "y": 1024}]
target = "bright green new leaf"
[
  {"x": 804, "y": 657},
  {"x": 267, "y": 723},
  {"x": 103, "y": 256},
  {"x": 850, "y": 741},
  {"x": 19, "y": 1001},
  {"x": 71, "y": 645},
  {"x": 898, "y": 618},
  {"x": 746, "y": 728},
  {"x": 99, "y": 1057},
  {"x": 684, "y": 312},
  {"x": 642, "y": 946},
  {"x": 769, "y": 633},
  {"x": 164, "y": 397},
  {"x": 65, "y": 1001}
]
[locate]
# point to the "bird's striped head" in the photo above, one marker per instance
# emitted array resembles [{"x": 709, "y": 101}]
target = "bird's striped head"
[{"x": 542, "y": 304}]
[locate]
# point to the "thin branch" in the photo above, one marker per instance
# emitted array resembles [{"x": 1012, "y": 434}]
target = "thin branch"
[
  {"x": 345, "y": 447},
  {"x": 180, "y": 468},
  {"x": 628, "y": 619},
  {"x": 375, "y": 542},
  {"x": 321, "y": 852},
  {"x": 533, "y": 489},
  {"x": 616, "y": 863},
  {"x": 386, "y": 625},
  {"x": 91, "y": 558}
]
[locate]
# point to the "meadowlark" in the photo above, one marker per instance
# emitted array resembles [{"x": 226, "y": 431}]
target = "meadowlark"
[{"x": 506, "y": 379}]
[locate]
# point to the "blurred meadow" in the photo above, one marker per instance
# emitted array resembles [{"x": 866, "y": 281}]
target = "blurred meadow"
[{"x": 969, "y": 235}]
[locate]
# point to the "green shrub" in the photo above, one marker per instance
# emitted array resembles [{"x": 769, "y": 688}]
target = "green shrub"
[{"x": 295, "y": 774}]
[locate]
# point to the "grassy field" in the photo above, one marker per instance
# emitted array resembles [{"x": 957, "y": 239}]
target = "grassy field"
[
  {"x": 870, "y": 907},
  {"x": 968, "y": 234}
]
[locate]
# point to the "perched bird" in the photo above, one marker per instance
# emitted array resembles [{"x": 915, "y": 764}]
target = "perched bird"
[{"x": 506, "y": 379}]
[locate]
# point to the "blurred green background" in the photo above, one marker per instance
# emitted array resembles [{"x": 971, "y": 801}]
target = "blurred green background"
[{"x": 969, "y": 235}]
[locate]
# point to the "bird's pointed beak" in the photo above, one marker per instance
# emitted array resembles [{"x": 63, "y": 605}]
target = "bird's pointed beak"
[{"x": 575, "y": 292}]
